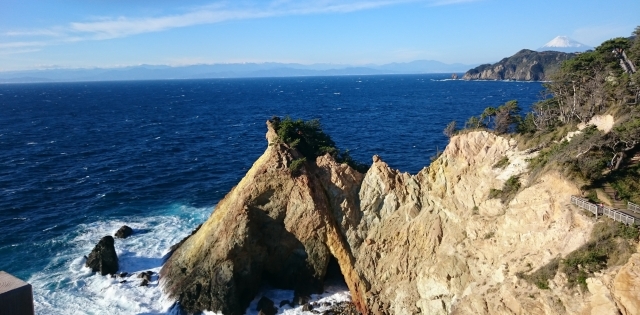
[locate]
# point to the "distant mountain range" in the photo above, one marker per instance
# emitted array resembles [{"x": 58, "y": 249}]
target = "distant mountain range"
[
  {"x": 564, "y": 44},
  {"x": 232, "y": 70}
]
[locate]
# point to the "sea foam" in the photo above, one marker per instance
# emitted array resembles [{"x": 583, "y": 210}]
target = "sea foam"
[{"x": 66, "y": 286}]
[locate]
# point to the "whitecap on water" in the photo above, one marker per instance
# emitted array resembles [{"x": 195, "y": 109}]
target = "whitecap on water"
[
  {"x": 335, "y": 291},
  {"x": 66, "y": 286}
]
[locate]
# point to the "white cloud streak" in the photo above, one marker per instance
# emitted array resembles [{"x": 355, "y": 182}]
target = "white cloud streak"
[
  {"x": 118, "y": 27},
  {"x": 438, "y": 3}
]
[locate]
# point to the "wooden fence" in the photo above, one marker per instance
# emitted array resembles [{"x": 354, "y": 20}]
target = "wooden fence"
[
  {"x": 633, "y": 207},
  {"x": 603, "y": 210}
]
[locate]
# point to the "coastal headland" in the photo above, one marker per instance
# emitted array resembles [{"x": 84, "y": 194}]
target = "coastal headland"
[{"x": 435, "y": 243}]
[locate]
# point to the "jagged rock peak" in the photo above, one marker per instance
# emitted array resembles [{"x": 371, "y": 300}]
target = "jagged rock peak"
[
  {"x": 272, "y": 228},
  {"x": 432, "y": 243}
]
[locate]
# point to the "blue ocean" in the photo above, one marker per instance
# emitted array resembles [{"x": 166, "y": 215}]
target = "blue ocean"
[{"x": 79, "y": 160}]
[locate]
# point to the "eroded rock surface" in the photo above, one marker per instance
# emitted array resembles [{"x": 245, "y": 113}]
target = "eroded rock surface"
[
  {"x": 273, "y": 228},
  {"x": 430, "y": 243}
]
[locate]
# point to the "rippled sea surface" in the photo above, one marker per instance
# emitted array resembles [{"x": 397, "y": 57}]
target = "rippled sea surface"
[{"x": 78, "y": 160}]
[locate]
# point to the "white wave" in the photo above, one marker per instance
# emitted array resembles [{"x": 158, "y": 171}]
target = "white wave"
[
  {"x": 47, "y": 229},
  {"x": 66, "y": 286},
  {"x": 335, "y": 291}
]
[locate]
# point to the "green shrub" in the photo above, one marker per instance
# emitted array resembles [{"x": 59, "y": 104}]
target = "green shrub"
[
  {"x": 625, "y": 182},
  {"x": 508, "y": 191},
  {"x": 308, "y": 138},
  {"x": 504, "y": 161},
  {"x": 610, "y": 245},
  {"x": 494, "y": 193},
  {"x": 296, "y": 165},
  {"x": 541, "y": 277},
  {"x": 593, "y": 197}
]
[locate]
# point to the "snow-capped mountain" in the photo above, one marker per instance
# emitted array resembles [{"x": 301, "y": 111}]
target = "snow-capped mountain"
[{"x": 564, "y": 44}]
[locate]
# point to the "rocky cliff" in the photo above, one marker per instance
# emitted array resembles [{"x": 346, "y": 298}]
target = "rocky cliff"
[
  {"x": 525, "y": 65},
  {"x": 430, "y": 243}
]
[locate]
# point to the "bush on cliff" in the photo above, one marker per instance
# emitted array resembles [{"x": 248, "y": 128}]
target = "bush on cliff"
[
  {"x": 508, "y": 191},
  {"x": 296, "y": 165},
  {"x": 605, "y": 81},
  {"x": 610, "y": 244},
  {"x": 310, "y": 140}
]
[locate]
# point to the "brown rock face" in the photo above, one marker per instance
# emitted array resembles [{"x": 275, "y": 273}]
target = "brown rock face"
[
  {"x": 626, "y": 287},
  {"x": 430, "y": 243},
  {"x": 271, "y": 228}
]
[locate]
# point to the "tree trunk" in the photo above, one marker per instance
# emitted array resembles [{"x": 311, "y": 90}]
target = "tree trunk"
[{"x": 619, "y": 162}]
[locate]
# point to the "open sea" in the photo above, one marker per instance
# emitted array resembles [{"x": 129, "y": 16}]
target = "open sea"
[{"x": 79, "y": 160}]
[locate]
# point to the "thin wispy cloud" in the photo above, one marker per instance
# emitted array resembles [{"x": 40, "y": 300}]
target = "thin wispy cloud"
[
  {"x": 450, "y": 2},
  {"x": 21, "y": 44},
  {"x": 122, "y": 26},
  {"x": 19, "y": 51}
]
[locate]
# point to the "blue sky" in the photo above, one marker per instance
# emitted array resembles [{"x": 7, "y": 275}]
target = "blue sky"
[{"x": 113, "y": 33}]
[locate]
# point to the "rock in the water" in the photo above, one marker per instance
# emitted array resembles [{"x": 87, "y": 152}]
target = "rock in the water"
[
  {"x": 103, "y": 257},
  {"x": 144, "y": 283},
  {"x": 146, "y": 275},
  {"x": 307, "y": 307},
  {"x": 300, "y": 298},
  {"x": 124, "y": 232},
  {"x": 342, "y": 308},
  {"x": 266, "y": 306}
]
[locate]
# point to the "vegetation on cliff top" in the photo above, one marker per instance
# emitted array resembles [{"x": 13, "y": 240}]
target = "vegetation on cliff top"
[
  {"x": 604, "y": 81},
  {"x": 311, "y": 141}
]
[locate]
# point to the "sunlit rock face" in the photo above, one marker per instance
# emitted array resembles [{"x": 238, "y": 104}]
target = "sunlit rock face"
[
  {"x": 430, "y": 243},
  {"x": 274, "y": 228}
]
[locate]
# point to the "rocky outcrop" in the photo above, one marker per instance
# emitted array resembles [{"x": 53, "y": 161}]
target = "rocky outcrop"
[
  {"x": 272, "y": 228},
  {"x": 103, "y": 257},
  {"x": 626, "y": 287},
  {"x": 430, "y": 243},
  {"x": 525, "y": 65},
  {"x": 124, "y": 232},
  {"x": 439, "y": 245}
]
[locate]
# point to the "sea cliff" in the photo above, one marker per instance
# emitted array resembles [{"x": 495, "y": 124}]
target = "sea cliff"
[
  {"x": 432, "y": 243},
  {"x": 525, "y": 65}
]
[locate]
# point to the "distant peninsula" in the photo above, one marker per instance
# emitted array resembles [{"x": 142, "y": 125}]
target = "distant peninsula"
[{"x": 525, "y": 65}]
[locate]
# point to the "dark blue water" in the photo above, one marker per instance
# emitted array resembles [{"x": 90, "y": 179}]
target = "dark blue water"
[{"x": 72, "y": 154}]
